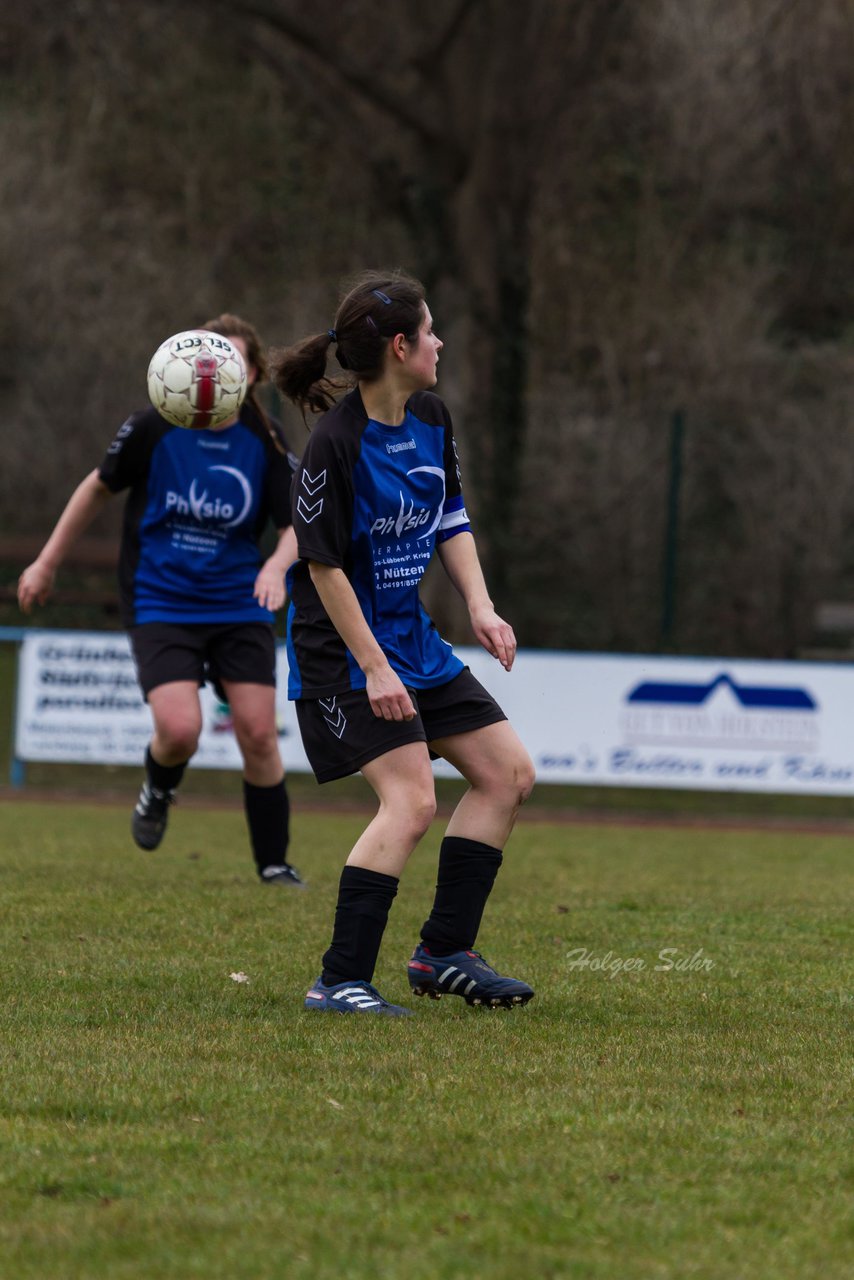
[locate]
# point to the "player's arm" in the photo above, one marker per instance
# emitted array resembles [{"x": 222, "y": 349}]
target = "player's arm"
[
  {"x": 88, "y": 499},
  {"x": 270, "y": 584},
  {"x": 386, "y": 691},
  {"x": 460, "y": 561}
]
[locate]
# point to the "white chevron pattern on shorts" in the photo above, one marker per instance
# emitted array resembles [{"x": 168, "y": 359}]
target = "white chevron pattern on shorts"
[{"x": 336, "y": 719}]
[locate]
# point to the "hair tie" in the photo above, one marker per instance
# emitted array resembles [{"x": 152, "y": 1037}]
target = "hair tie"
[{"x": 332, "y": 335}]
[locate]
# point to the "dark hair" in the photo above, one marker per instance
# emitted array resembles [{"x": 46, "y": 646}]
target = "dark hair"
[
  {"x": 232, "y": 326},
  {"x": 377, "y": 306},
  {"x": 229, "y": 325}
]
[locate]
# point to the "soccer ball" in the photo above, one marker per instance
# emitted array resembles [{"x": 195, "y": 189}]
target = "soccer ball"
[{"x": 197, "y": 379}]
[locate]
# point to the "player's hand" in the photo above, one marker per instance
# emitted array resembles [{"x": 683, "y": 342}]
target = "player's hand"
[
  {"x": 388, "y": 696},
  {"x": 495, "y": 635},
  {"x": 35, "y": 585},
  {"x": 269, "y": 588}
]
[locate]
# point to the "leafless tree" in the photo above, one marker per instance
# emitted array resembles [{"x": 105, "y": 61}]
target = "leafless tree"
[{"x": 454, "y": 111}]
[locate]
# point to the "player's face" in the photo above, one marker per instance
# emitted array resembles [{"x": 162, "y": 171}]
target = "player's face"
[{"x": 423, "y": 355}]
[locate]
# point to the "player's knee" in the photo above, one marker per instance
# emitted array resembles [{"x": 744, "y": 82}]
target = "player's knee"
[
  {"x": 421, "y": 811},
  {"x": 516, "y": 781},
  {"x": 179, "y": 738},
  {"x": 526, "y": 776},
  {"x": 259, "y": 741}
]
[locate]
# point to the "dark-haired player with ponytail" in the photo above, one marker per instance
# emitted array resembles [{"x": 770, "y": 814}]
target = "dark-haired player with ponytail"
[
  {"x": 376, "y": 687},
  {"x": 196, "y": 598}
]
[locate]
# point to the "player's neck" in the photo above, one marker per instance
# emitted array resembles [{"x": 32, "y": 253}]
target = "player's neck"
[{"x": 383, "y": 402}]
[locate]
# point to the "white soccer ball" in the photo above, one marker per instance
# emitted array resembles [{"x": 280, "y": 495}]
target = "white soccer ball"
[{"x": 197, "y": 379}]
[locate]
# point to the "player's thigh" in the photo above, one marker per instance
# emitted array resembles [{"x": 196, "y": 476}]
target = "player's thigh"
[
  {"x": 402, "y": 776},
  {"x": 176, "y": 709},
  {"x": 402, "y": 780},
  {"x": 253, "y": 711},
  {"x": 491, "y": 757}
]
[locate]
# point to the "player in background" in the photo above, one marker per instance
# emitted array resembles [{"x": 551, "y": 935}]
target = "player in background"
[
  {"x": 376, "y": 688},
  {"x": 196, "y": 598}
]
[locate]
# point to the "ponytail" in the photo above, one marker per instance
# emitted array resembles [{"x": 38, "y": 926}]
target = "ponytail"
[{"x": 299, "y": 373}]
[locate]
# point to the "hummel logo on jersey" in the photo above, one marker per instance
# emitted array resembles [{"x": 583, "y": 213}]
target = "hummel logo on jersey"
[
  {"x": 121, "y": 435},
  {"x": 309, "y": 510},
  {"x": 335, "y": 718},
  {"x": 313, "y": 483}
]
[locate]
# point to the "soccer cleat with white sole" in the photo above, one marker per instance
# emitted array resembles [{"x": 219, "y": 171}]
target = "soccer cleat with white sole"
[{"x": 351, "y": 997}]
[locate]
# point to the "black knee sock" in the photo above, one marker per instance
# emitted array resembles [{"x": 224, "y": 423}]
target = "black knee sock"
[
  {"x": 268, "y": 814},
  {"x": 467, "y": 871},
  {"x": 163, "y": 777},
  {"x": 364, "y": 901}
]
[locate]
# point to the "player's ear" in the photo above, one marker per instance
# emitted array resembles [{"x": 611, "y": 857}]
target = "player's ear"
[{"x": 398, "y": 346}]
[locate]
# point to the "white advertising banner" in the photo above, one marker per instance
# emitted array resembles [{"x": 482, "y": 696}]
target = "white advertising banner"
[
  {"x": 693, "y": 723},
  {"x": 78, "y": 700},
  {"x": 593, "y": 719}
]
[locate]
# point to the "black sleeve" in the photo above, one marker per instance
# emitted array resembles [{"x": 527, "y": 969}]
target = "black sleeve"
[
  {"x": 128, "y": 458},
  {"x": 453, "y": 476},
  {"x": 323, "y": 495}
]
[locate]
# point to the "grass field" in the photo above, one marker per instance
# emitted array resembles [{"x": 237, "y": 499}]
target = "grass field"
[{"x": 162, "y": 1120}]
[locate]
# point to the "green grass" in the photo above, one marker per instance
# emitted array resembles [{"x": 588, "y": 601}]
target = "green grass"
[{"x": 161, "y": 1120}]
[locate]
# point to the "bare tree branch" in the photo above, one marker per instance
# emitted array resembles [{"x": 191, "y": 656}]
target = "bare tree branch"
[
  {"x": 447, "y": 37},
  {"x": 364, "y": 86}
]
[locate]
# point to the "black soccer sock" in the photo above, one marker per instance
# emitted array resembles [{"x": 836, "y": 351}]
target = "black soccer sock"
[
  {"x": 268, "y": 813},
  {"x": 467, "y": 871},
  {"x": 364, "y": 901},
  {"x": 163, "y": 777}
]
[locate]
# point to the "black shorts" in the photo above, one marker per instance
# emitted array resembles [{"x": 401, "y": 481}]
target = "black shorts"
[
  {"x": 244, "y": 652},
  {"x": 340, "y": 734}
]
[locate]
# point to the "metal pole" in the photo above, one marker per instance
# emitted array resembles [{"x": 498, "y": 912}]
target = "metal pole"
[{"x": 671, "y": 531}]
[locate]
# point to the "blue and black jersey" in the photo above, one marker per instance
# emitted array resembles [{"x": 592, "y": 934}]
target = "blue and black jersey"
[
  {"x": 373, "y": 500},
  {"x": 198, "y": 503}
]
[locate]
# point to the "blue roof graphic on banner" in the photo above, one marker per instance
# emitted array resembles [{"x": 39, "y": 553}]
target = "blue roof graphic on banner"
[{"x": 766, "y": 697}]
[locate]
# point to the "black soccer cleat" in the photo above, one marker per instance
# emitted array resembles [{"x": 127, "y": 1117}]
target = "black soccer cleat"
[
  {"x": 150, "y": 816},
  {"x": 284, "y": 875},
  {"x": 466, "y": 974}
]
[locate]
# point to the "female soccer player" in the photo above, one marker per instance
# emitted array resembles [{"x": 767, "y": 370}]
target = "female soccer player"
[
  {"x": 196, "y": 599},
  {"x": 376, "y": 688}
]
